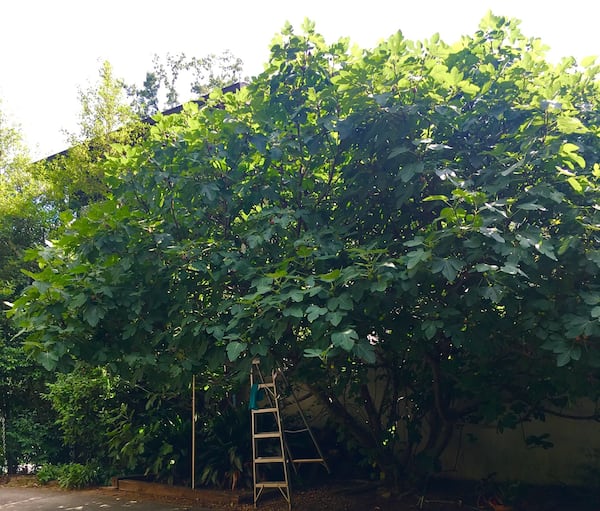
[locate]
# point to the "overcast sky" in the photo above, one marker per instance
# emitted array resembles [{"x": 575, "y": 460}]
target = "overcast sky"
[{"x": 49, "y": 48}]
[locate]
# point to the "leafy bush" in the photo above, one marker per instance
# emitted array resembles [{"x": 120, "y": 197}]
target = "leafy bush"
[
  {"x": 75, "y": 475},
  {"x": 224, "y": 458},
  {"x": 71, "y": 475},
  {"x": 48, "y": 473},
  {"x": 153, "y": 441},
  {"x": 80, "y": 399},
  {"x": 32, "y": 438}
]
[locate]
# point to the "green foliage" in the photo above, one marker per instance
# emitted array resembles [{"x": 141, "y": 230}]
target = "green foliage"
[
  {"x": 70, "y": 476},
  {"x": 153, "y": 440},
  {"x": 48, "y": 473},
  {"x": 24, "y": 219},
  {"x": 75, "y": 476},
  {"x": 75, "y": 177},
  {"x": 225, "y": 449},
  {"x": 104, "y": 109},
  {"x": 412, "y": 229},
  {"x": 81, "y": 399},
  {"x": 32, "y": 438}
]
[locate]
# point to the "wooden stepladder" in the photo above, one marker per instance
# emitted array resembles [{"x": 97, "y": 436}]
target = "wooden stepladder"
[{"x": 270, "y": 451}]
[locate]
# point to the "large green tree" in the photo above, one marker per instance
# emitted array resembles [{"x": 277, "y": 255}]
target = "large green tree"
[
  {"x": 25, "y": 218},
  {"x": 411, "y": 230}
]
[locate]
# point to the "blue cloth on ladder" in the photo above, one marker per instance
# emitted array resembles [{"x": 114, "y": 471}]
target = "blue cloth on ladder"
[{"x": 256, "y": 395}]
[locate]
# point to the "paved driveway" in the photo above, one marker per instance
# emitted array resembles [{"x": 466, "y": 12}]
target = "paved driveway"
[{"x": 44, "y": 499}]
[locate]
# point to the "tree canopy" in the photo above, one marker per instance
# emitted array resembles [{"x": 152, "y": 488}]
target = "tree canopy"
[{"x": 421, "y": 211}]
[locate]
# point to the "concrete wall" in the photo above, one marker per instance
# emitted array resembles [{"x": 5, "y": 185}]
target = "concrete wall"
[
  {"x": 507, "y": 455},
  {"x": 477, "y": 451}
]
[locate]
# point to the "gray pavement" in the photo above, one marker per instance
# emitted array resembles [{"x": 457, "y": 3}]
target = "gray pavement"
[{"x": 45, "y": 499}]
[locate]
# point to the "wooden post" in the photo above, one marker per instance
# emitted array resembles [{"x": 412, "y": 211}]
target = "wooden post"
[{"x": 193, "y": 431}]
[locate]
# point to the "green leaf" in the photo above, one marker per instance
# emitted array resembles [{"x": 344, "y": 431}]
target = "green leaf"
[
  {"x": 415, "y": 257},
  {"x": 492, "y": 232},
  {"x": 342, "y": 302},
  {"x": 78, "y": 300},
  {"x": 365, "y": 352},
  {"x": 335, "y": 318},
  {"x": 332, "y": 276},
  {"x": 297, "y": 295},
  {"x": 294, "y": 311},
  {"x": 568, "y": 125},
  {"x": 575, "y": 184},
  {"x": 429, "y": 329},
  {"x": 483, "y": 267},
  {"x": 408, "y": 171},
  {"x": 416, "y": 242},
  {"x": 531, "y": 206},
  {"x": 93, "y": 314},
  {"x": 315, "y": 353},
  {"x": 563, "y": 358},
  {"x": 397, "y": 151},
  {"x": 588, "y": 61},
  {"x": 379, "y": 286},
  {"x": 305, "y": 251},
  {"x": 314, "y": 311},
  {"x": 260, "y": 349},
  {"x": 48, "y": 360},
  {"x": 235, "y": 349},
  {"x": 345, "y": 339},
  {"x": 493, "y": 293},
  {"x": 545, "y": 247},
  {"x": 436, "y": 198},
  {"x": 448, "y": 267}
]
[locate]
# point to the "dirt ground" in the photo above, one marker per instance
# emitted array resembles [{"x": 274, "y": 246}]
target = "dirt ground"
[{"x": 366, "y": 496}]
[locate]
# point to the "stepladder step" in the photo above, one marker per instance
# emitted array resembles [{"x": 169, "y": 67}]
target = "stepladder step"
[
  {"x": 308, "y": 460},
  {"x": 265, "y": 410},
  {"x": 267, "y": 434},
  {"x": 269, "y": 459},
  {"x": 272, "y": 484}
]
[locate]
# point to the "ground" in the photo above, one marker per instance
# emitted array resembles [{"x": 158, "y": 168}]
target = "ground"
[{"x": 366, "y": 496}]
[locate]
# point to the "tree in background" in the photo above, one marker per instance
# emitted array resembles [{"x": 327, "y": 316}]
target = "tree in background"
[
  {"x": 106, "y": 118},
  {"x": 25, "y": 219},
  {"x": 162, "y": 86},
  {"x": 409, "y": 230},
  {"x": 32, "y": 199}
]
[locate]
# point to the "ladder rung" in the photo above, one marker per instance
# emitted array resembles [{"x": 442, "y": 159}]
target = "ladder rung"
[
  {"x": 272, "y": 484},
  {"x": 265, "y": 410},
  {"x": 267, "y": 434},
  {"x": 266, "y": 385},
  {"x": 271, "y": 459},
  {"x": 309, "y": 460}
]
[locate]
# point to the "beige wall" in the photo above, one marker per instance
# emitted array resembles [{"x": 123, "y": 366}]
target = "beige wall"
[
  {"x": 478, "y": 451},
  {"x": 507, "y": 455}
]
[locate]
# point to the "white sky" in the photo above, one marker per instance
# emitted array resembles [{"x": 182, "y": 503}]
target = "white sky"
[{"x": 49, "y": 48}]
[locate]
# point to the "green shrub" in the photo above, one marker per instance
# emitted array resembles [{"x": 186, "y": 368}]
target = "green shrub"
[
  {"x": 225, "y": 459},
  {"x": 71, "y": 475},
  {"x": 75, "y": 475},
  {"x": 48, "y": 473}
]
